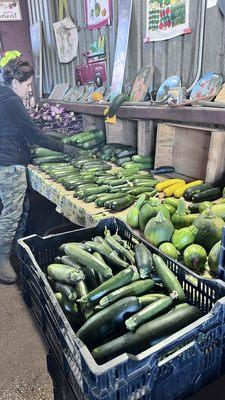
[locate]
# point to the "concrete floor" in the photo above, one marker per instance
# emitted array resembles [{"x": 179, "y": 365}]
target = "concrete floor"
[{"x": 23, "y": 372}]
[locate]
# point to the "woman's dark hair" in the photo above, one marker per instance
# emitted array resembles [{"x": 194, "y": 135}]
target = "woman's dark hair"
[{"x": 17, "y": 69}]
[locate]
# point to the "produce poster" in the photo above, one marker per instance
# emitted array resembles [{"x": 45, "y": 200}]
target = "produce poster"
[
  {"x": 10, "y": 11},
  {"x": 166, "y": 19},
  {"x": 98, "y": 13}
]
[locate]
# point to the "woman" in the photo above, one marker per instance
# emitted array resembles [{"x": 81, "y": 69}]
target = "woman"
[{"x": 17, "y": 131}]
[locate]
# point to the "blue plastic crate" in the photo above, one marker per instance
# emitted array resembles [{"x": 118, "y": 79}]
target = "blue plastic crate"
[{"x": 178, "y": 366}]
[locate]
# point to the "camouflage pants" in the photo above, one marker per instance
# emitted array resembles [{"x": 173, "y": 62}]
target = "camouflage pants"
[{"x": 13, "y": 185}]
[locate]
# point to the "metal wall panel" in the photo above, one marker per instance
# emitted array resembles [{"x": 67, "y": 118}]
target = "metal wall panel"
[{"x": 175, "y": 56}]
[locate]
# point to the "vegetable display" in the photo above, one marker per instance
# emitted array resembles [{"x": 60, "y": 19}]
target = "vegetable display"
[{"x": 115, "y": 308}]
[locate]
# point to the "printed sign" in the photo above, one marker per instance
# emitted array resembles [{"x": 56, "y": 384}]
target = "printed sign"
[
  {"x": 166, "y": 19},
  {"x": 10, "y": 11},
  {"x": 98, "y": 13}
]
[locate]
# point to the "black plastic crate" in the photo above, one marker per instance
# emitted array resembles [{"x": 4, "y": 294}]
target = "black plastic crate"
[
  {"x": 180, "y": 365},
  {"x": 221, "y": 268}
]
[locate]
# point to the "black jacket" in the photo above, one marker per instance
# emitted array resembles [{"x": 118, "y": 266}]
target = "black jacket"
[{"x": 17, "y": 130}]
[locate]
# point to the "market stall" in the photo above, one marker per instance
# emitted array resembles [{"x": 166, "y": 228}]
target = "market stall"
[{"x": 131, "y": 301}]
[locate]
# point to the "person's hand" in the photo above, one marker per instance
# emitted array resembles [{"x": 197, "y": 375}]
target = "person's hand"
[{"x": 70, "y": 150}]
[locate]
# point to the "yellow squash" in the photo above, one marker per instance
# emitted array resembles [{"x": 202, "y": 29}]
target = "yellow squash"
[
  {"x": 169, "y": 182},
  {"x": 179, "y": 192},
  {"x": 169, "y": 191}
]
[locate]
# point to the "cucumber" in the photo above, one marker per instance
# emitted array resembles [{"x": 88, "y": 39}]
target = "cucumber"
[
  {"x": 102, "y": 323},
  {"x": 147, "y": 299},
  {"x": 169, "y": 280},
  {"x": 122, "y": 278},
  {"x": 67, "y": 290},
  {"x": 208, "y": 195},
  {"x": 144, "y": 260},
  {"x": 160, "y": 306},
  {"x": 133, "y": 289},
  {"x": 116, "y": 103},
  {"x": 122, "y": 203},
  {"x": 64, "y": 273},
  {"x": 135, "y": 342},
  {"x": 189, "y": 193},
  {"x": 84, "y": 258}
]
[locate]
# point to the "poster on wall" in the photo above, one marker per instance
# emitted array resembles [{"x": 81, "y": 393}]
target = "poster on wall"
[
  {"x": 98, "y": 13},
  {"x": 166, "y": 19},
  {"x": 10, "y": 11}
]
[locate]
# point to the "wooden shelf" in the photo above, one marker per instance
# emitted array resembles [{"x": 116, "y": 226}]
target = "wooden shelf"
[{"x": 200, "y": 115}]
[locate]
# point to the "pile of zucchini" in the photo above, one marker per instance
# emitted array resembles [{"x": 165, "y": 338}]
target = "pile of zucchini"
[
  {"x": 125, "y": 156},
  {"x": 93, "y": 180},
  {"x": 118, "y": 296},
  {"x": 87, "y": 140}
]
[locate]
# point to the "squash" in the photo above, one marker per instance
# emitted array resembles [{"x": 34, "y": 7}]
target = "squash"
[
  {"x": 219, "y": 210},
  {"x": 148, "y": 211},
  {"x": 178, "y": 218},
  {"x": 195, "y": 257},
  {"x": 214, "y": 255},
  {"x": 184, "y": 237},
  {"x": 169, "y": 249},
  {"x": 209, "y": 229},
  {"x": 158, "y": 230},
  {"x": 133, "y": 214}
]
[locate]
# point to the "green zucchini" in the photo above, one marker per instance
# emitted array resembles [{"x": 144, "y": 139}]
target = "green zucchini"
[
  {"x": 41, "y": 160},
  {"x": 93, "y": 143},
  {"x": 142, "y": 189},
  {"x": 208, "y": 195},
  {"x": 97, "y": 190},
  {"x": 68, "y": 261},
  {"x": 135, "y": 342},
  {"x": 189, "y": 193},
  {"x": 142, "y": 159},
  {"x": 88, "y": 260},
  {"x": 100, "y": 201},
  {"x": 102, "y": 323},
  {"x": 169, "y": 279},
  {"x": 147, "y": 299},
  {"x": 127, "y": 152},
  {"x": 98, "y": 134},
  {"x": 122, "y": 203},
  {"x": 116, "y": 103},
  {"x": 145, "y": 182},
  {"x": 160, "y": 306},
  {"x": 64, "y": 273},
  {"x": 120, "y": 161},
  {"x": 65, "y": 289},
  {"x": 43, "y": 152},
  {"x": 140, "y": 176},
  {"x": 112, "y": 242},
  {"x": 122, "y": 278},
  {"x": 133, "y": 289},
  {"x": 144, "y": 260},
  {"x": 140, "y": 166}
]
